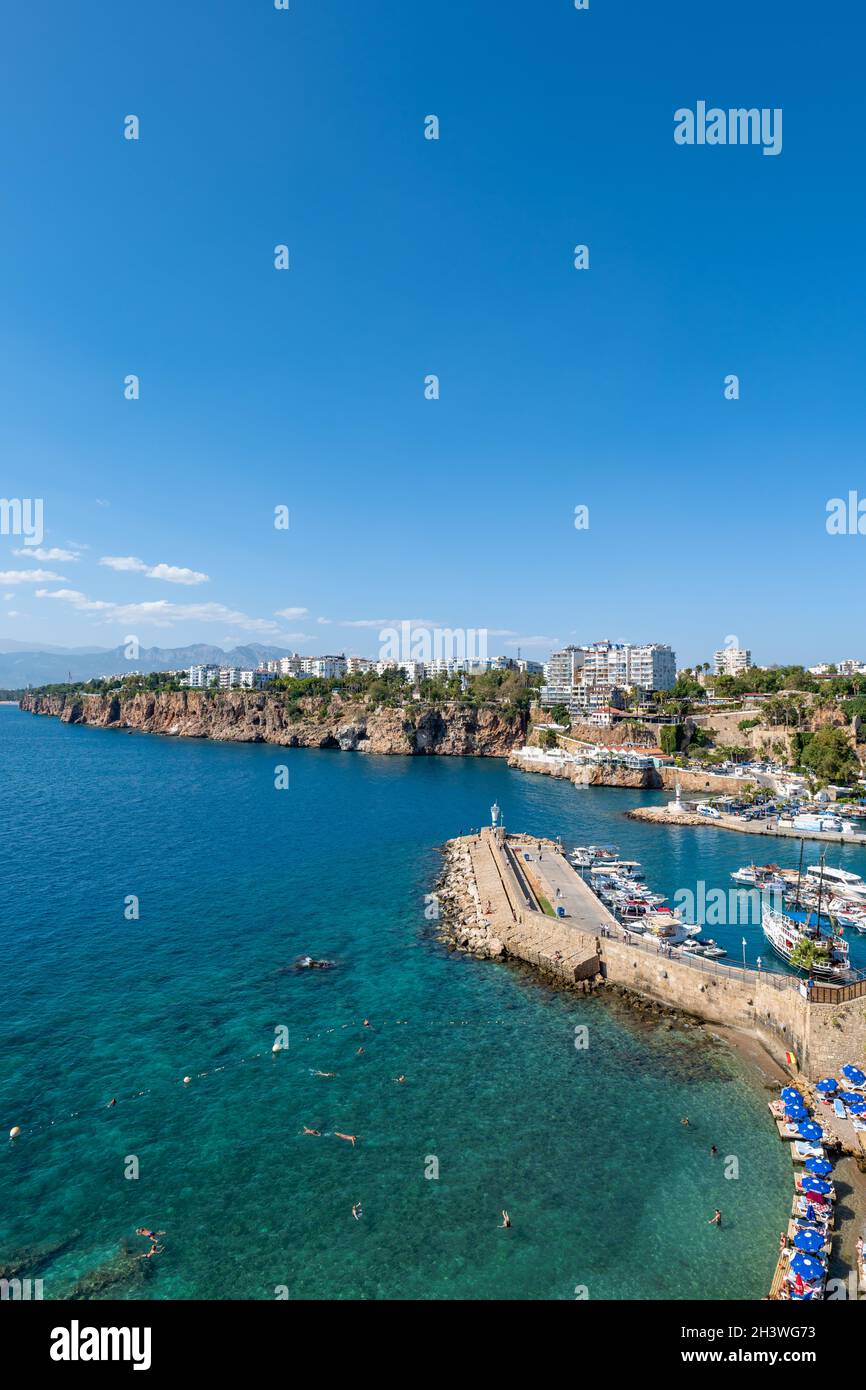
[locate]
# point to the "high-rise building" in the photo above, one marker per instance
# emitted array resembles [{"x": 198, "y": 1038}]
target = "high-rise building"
[
  {"x": 732, "y": 661},
  {"x": 650, "y": 665}
]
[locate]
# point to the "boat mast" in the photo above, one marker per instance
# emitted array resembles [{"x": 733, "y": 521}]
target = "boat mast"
[
  {"x": 821, "y": 888},
  {"x": 800, "y": 873}
]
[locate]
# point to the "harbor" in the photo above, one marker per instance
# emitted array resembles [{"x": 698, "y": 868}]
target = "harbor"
[{"x": 511, "y": 895}]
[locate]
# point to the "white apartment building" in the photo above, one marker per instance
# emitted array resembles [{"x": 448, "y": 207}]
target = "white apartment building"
[
  {"x": 651, "y": 665},
  {"x": 325, "y": 667},
  {"x": 732, "y": 661},
  {"x": 359, "y": 664},
  {"x": 607, "y": 667},
  {"x": 563, "y": 672},
  {"x": 200, "y": 677}
]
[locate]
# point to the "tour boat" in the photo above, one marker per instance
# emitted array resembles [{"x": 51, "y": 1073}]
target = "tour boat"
[{"x": 785, "y": 931}]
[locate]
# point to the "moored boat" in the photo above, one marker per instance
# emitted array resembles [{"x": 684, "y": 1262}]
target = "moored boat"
[{"x": 801, "y": 940}]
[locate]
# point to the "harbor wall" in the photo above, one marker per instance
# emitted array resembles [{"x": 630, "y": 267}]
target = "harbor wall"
[{"x": 778, "y": 1015}]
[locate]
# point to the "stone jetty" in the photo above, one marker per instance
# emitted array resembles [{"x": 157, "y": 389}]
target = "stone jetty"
[{"x": 517, "y": 897}]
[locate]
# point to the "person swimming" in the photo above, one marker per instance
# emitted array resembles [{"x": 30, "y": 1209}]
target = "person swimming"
[
  {"x": 357, "y": 1211},
  {"x": 400, "y": 1079},
  {"x": 306, "y": 1130},
  {"x": 506, "y": 1221},
  {"x": 715, "y": 1219},
  {"x": 351, "y": 1137},
  {"x": 153, "y": 1237}
]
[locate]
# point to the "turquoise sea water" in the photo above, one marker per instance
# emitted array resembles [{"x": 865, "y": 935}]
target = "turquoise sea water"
[{"x": 235, "y": 879}]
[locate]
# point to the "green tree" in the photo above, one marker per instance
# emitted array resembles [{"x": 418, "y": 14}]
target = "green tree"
[{"x": 829, "y": 755}]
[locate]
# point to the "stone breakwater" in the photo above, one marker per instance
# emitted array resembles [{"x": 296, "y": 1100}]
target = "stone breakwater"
[
  {"x": 483, "y": 914},
  {"x": 497, "y": 896},
  {"x": 414, "y": 728}
]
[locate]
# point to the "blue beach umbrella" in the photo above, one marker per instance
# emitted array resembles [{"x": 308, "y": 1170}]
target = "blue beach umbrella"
[
  {"x": 818, "y": 1185},
  {"x": 796, "y": 1112},
  {"x": 828, "y": 1084},
  {"x": 809, "y": 1240},
  {"x": 807, "y": 1267},
  {"x": 857, "y": 1106},
  {"x": 791, "y": 1093},
  {"x": 850, "y": 1097},
  {"x": 809, "y": 1130},
  {"x": 820, "y": 1166},
  {"x": 854, "y": 1074}
]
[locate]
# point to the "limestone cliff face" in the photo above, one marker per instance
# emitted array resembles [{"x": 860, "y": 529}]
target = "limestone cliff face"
[{"x": 257, "y": 717}]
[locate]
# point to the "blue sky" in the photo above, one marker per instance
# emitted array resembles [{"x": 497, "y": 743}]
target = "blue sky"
[{"x": 409, "y": 257}]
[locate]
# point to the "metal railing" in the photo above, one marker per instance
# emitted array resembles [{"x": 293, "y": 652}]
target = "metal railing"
[{"x": 776, "y": 979}]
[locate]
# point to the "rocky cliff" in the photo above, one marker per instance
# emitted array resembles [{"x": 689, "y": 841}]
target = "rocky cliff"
[{"x": 257, "y": 717}]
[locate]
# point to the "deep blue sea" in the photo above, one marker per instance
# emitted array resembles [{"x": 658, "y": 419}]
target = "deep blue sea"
[{"x": 235, "y": 879}]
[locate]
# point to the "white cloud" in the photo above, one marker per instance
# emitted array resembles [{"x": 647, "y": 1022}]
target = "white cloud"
[
  {"x": 177, "y": 574},
  {"x": 323, "y": 621},
  {"x": 124, "y": 562},
  {"x": 291, "y": 612},
  {"x": 389, "y": 622},
  {"x": 40, "y": 553},
  {"x": 160, "y": 612},
  {"x": 28, "y": 576},
  {"x": 13, "y": 614},
  {"x": 172, "y": 574}
]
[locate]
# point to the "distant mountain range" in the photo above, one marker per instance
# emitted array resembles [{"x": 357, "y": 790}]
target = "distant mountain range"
[{"x": 20, "y": 667}]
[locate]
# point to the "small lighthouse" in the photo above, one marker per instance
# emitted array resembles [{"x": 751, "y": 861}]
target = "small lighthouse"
[{"x": 494, "y": 815}]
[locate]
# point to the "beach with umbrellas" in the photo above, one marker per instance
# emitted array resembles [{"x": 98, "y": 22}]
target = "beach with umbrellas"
[{"x": 823, "y": 1122}]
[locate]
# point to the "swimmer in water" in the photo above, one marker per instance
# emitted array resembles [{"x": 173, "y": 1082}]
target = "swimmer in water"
[
  {"x": 351, "y": 1137},
  {"x": 715, "y": 1219},
  {"x": 684, "y": 1121},
  {"x": 506, "y": 1221},
  {"x": 360, "y": 1052},
  {"x": 399, "y": 1080},
  {"x": 356, "y": 1211},
  {"x": 324, "y": 1073},
  {"x": 152, "y": 1236},
  {"x": 110, "y": 1103},
  {"x": 317, "y": 1132},
  {"x": 713, "y": 1151}
]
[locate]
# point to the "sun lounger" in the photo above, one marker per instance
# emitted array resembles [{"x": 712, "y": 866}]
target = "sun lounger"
[
  {"x": 839, "y": 1109},
  {"x": 804, "y": 1151}
]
